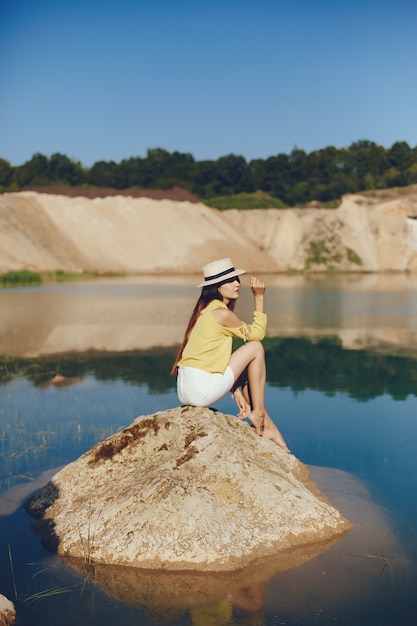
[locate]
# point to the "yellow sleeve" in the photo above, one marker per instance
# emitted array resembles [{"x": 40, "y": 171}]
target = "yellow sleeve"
[{"x": 250, "y": 332}]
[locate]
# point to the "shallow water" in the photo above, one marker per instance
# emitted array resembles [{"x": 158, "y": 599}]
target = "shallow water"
[{"x": 342, "y": 386}]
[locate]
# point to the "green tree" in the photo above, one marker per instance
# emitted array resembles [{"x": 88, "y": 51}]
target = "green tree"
[
  {"x": 400, "y": 155},
  {"x": 134, "y": 172},
  {"x": 272, "y": 175},
  {"x": 179, "y": 169},
  {"x": 368, "y": 162},
  {"x": 233, "y": 175},
  {"x": 106, "y": 174},
  {"x": 6, "y": 173},
  {"x": 294, "y": 178},
  {"x": 33, "y": 172},
  {"x": 205, "y": 181},
  {"x": 156, "y": 165},
  {"x": 299, "y": 193},
  {"x": 63, "y": 170}
]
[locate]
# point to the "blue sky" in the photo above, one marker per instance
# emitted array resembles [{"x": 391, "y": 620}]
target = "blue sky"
[{"x": 100, "y": 79}]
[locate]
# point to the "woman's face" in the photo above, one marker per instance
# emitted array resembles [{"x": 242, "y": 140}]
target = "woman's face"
[{"x": 230, "y": 290}]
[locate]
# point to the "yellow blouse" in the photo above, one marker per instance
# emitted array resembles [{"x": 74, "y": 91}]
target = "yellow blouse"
[{"x": 209, "y": 346}]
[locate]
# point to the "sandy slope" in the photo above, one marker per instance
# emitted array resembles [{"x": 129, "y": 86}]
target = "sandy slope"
[
  {"x": 119, "y": 234},
  {"x": 367, "y": 233}
]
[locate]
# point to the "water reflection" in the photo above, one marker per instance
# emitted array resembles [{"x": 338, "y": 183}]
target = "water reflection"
[
  {"x": 120, "y": 315},
  {"x": 298, "y": 364},
  {"x": 341, "y": 356},
  {"x": 163, "y": 594}
]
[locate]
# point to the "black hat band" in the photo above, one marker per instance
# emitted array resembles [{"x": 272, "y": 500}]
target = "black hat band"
[{"x": 228, "y": 271}]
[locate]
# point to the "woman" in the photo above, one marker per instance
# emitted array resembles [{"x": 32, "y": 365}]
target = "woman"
[{"x": 206, "y": 367}]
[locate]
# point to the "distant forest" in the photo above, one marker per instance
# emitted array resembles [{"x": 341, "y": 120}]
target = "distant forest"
[{"x": 294, "y": 179}]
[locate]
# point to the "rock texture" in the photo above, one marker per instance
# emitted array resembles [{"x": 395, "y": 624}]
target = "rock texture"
[
  {"x": 371, "y": 232},
  {"x": 7, "y": 612},
  {"x": 184, "y": 489}
]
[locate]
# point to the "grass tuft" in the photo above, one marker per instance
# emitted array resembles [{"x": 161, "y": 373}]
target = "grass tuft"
[{"x": 243, "y": 201}]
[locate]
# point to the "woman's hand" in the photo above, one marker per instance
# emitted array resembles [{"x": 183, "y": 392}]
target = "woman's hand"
[
  {"x": 257, "y": 286},
  {"x": 243, "y": 406},
  {"x": 258, "y": 290}
]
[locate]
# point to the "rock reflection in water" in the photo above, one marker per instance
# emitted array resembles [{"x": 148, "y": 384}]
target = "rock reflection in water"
[
  {"x": 162, "y": 595},
  {"x": 342, "y": 575}
]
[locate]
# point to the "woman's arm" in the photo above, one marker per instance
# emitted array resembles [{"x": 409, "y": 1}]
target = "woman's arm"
[
  {"x": 228, "y": 318},
  {"x": 258, "y": 289}
]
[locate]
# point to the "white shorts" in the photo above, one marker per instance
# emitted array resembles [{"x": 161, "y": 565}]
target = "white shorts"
[{"x": 199, "y": 388}]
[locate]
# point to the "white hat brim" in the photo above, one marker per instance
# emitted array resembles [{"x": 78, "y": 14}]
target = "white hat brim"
[{"x": 221, "y": 279}]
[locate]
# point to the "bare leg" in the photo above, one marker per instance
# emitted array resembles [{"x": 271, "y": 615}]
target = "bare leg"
[
  {"x": 271, "y": 432},
  {"x": 270, "y": 429},
  {"x": 251, "y": 399},
  {"x": 252, "y": 356}
]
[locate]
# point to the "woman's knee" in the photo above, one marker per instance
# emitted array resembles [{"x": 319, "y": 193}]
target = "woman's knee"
[
  {"x": 252, "y": 350},
  {"x": 257, "y": 348},
  {"x": 245, "y": 355}
]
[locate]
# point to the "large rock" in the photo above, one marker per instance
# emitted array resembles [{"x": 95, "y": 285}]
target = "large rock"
[
  {"x": 188, "y": 488},
  {"x": 343, "y": 573}
]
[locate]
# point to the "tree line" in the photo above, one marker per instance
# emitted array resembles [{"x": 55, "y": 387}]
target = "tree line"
[{"x": 295, "y": 178}]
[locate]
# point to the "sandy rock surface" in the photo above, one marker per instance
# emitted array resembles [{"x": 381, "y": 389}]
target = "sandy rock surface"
[{"x": 187, "y": 488}]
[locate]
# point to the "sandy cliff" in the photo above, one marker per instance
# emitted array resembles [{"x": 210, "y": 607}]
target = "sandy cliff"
[
  {"x": 367, "y": 233},
  {"x": 45, "y": 232}
]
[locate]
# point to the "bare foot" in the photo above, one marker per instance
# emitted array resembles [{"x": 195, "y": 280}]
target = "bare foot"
[
  {"x": 271, "y": 432},
  {"x": 257, "y": 421}
]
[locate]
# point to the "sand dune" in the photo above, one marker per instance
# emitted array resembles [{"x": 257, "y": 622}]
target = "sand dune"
[
  {"x": 46, "y": 232},
  {"x": 119, "y": 234}
]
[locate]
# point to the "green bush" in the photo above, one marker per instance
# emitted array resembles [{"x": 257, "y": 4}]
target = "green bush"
[
  {"x": 60, "y": 276},
  {"x": 353, "y": 257},
  {"x": 20, "y": 278}
]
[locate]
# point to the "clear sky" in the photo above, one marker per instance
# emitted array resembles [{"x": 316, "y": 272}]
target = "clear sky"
[{"x": 108, "y": 79}]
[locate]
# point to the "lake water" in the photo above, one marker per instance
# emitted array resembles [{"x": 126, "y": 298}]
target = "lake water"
[{"x": 342, "y": 385}]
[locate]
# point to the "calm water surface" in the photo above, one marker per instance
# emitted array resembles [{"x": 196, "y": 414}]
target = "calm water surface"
[{"x": 342, "y": 385}]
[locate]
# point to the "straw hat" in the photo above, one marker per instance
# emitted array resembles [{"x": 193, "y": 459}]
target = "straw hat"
[{"x": 218, "y": 271}]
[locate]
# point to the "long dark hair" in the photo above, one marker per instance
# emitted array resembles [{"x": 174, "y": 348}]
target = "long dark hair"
[{"x": 208, "y": 294}]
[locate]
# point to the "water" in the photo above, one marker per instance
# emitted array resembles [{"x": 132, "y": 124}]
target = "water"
[{"x": 342, "y": 386}]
